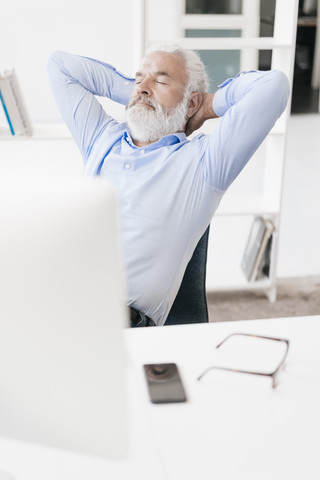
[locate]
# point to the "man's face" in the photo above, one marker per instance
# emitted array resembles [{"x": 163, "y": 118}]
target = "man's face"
[
  {"x": 161, "y": 76},
  {"x": 158, "y": 104}
]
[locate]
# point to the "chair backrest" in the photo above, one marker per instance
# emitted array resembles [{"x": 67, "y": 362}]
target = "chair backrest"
[{"x": 190, "y": 305}]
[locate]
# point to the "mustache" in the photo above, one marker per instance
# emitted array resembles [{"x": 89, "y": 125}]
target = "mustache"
[{"x": 142, "y": 99}]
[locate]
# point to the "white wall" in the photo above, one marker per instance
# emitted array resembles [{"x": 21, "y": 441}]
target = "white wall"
[
  {"x": 157, "y": 18},
  {"x": 31, "y": 29}
]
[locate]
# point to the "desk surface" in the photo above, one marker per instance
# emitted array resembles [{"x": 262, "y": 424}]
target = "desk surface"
[{"x": 233, "y": 425}]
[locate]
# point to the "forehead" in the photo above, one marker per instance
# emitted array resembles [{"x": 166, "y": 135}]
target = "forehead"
[{"x": 170, "y": 63}]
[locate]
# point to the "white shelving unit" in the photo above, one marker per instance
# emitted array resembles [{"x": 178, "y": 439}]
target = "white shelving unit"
[{"x": 246, "y": 202}]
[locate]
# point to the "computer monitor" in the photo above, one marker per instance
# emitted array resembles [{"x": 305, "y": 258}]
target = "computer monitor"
[{"x": 62, "y": 313}]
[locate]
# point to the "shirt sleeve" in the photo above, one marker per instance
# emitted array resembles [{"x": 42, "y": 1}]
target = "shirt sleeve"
[
  {"x": 249, "y": 105},
  {"x": 76, "y": 81}
]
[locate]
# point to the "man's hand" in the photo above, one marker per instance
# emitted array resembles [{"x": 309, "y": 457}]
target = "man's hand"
[{"x": 204, "y": 113}]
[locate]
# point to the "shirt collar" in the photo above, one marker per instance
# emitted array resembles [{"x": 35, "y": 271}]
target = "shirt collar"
[{"x": 164, "y": 141}]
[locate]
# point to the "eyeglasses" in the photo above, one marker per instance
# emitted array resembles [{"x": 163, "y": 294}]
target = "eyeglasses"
[{"x": 272, "y": 374}]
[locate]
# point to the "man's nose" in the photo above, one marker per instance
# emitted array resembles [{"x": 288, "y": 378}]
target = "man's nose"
[{"x": 144, "y": 87}]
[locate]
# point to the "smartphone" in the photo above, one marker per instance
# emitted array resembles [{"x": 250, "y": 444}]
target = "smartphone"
[{"x": 164, "y": 383}]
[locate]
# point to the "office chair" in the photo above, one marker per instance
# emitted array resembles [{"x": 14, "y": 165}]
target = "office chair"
[{"x": 190, "y": 305}]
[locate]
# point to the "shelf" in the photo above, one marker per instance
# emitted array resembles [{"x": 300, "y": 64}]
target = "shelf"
[
  {"x": 213, "y": 21},
  {"x": 227, "y": 243},
  {"x": 253, "y": 204},
  {"x": 41, "y": 131},
  {"x": 228, "y": 43},
  {"x": 238, "y": 282}
]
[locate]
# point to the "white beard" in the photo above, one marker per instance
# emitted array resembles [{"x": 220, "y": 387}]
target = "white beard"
[{"x": 150, "y": 124}]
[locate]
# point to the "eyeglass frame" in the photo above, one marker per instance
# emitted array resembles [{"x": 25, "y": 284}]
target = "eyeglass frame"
[{"x": 273, "y": 374}]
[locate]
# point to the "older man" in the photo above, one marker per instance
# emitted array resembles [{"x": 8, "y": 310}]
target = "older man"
[{"x": 169, "y": 187}]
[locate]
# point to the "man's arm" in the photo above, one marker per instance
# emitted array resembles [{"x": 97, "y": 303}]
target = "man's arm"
[
  {"x": 249, "y": 106},
  {"x": 75, "y": 81}
]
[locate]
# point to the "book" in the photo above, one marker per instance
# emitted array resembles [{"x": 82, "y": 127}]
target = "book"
[
  {"x": 257, "y": 251},
  {"x": 5, "y": 108},
  {"x": 264, "y": 269},
  {"x": 13, "y": 104}
]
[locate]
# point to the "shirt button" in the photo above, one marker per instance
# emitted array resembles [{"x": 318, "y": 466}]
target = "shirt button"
[
  {"x": 127, "y": 166},
  {"x": 143, "y": 152},
  {"x": 126, "y": 83}
]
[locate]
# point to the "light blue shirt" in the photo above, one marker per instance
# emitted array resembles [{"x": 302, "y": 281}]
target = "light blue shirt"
[{"x": 169, "y": 190}]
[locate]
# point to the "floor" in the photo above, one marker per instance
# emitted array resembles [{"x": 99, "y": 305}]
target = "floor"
[{"x": 295, "y": 297}]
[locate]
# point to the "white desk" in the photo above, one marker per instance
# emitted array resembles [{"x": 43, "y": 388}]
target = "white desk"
[
  {"x": 233, "y": 426},
  {"x": 236, "y": 426}
]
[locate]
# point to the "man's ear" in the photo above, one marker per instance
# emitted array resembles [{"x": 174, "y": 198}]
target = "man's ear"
[{"x": 194, "y": 103}]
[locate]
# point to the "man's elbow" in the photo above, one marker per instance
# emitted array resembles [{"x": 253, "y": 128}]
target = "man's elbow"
[
  {"x": 281, "y": 87},
  {"x": 55, "y": 59}
]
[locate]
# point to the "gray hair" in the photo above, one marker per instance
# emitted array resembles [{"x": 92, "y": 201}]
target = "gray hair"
[{"x": 195, "y": 69}]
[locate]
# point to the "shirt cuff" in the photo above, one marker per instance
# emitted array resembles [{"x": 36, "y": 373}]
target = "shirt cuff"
[
  {"x": 122, "y": 85},
  {"x": 222, "y": 100}
]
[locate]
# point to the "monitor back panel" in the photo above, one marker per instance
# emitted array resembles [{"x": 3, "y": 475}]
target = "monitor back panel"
[{"x": 61, "y": 316}]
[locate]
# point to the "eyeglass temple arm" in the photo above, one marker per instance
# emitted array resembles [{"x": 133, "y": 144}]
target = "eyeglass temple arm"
[
  {"x": 255, "y": 336},
  {"x": 234, "y": 370}
]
